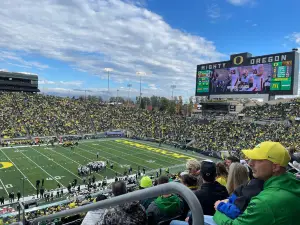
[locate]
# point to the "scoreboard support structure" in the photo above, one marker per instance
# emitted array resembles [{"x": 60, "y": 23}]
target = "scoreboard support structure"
[
  {"x": 265, "y": 97},
  {"x": 244, "y": 76}
]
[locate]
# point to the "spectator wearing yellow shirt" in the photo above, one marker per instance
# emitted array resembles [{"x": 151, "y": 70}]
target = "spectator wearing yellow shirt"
[{"x": 222, "y": 174}]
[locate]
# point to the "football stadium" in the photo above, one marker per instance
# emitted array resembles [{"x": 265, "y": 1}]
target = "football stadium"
[{"x": 130, "y": 113}]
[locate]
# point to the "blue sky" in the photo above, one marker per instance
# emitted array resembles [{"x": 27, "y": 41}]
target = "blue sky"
[{"x": 69, "y": 43}]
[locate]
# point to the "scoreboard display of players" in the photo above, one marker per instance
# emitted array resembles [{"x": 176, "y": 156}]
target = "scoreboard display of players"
[{"x": 275, "y": 74}]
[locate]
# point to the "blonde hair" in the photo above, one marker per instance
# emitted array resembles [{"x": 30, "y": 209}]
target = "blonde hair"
[
  {"x": 193, "y": 164},
  {"x": 237, "y": 176}
]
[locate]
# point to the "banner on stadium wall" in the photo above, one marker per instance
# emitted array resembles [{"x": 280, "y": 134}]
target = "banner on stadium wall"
[{"x": 115, "y": 133}]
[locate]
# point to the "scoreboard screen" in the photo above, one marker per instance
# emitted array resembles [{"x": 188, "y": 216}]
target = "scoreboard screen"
[{"x": 272, "y": 74}]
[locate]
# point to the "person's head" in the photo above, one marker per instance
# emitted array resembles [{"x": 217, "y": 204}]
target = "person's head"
[
  {"x": 237, "y": 176},
  {"x": 193, "y": 166},
  {"x": 268, "y": 159},
  {"x": 292, "y": 150},
  {"x": 163, "y": 180},
  {"x": 221, "y": 170},
  {"x": 100, "y": 198},
  {"x": 231, "y": 159},
  {"x": 189, "y": 180},
  {"x": 145, "y": 182},
  {"x": 119, "y": 188},
  {"x": 208, "y": 171}
]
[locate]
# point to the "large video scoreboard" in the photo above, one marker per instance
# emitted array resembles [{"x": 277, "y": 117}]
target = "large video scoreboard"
[{"x": 275, "y": 74}]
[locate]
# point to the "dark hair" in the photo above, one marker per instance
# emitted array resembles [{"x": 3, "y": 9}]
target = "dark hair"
[
  {"x": 100, "y": 198},
  {"x": 119, "y": 188},
  {"x": 163, "y": 180},
  {"x": 221, "y": 170},
  {"x": 189, "y": 180},
  {"x": 292, "y": 150},
  {"x": 233, "y": 159}
]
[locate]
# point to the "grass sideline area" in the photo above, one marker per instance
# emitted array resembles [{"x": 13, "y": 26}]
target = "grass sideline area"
[{"x": 59, "y": 164}]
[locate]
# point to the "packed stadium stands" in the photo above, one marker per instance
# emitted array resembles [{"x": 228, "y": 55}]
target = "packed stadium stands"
[
  {"x": 39, "y": 115},
  {"x": 32, "y": 115}
]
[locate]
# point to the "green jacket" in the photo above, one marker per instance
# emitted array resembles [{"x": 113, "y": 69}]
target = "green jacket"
[{"x": 277, "y": 204}]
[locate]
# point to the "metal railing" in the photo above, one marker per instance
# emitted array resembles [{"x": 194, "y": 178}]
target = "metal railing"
[
  {"x": 173, "y": 187},
  {"x": 20, "y": 211}
]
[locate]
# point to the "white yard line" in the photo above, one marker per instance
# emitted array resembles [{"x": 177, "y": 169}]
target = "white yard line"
[
  {"x": 4, "y": 187},
  {"x": 42, "y": 169},
  {"x": 57, "y": 163},
  {"x": 18, "y": 169},
  {"x": 147, "y": 156},
  {"x": 119, "y": 156}
]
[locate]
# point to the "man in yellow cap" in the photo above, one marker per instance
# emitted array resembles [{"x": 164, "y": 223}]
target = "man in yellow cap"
[
  {"x": 278, "y": 203},
  {"x": 146, "y": 182}
]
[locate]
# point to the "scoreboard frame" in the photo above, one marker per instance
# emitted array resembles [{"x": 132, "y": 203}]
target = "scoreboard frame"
[{"x": 246, "y": 59}]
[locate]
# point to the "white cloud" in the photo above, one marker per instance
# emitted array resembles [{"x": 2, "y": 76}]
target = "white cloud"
[
  {"x": 14, "y": 59},
  {"x": 295, "y": 37},
  {"x": 152, "y": 86},
  {"x": 71, "y": 83},
  {"x": 65, "y": 83},
  {"x": 214, "y": 11},
  {"x": 239, "y": 2},
  {"x": 92, "y": 35}
]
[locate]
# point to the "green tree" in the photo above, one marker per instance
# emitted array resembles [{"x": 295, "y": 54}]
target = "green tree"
[
  {"x": 142, "y": 104},
  {"x": 172, "y": 107},
  {"x": 190, "y": 106},
  {"x": 112, "y": 99},
  {"x": 154, "y": 101},
  {"x": 164, "y": 103}
]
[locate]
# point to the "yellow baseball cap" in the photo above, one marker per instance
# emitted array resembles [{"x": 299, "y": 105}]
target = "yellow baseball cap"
[
  {"x": 272, "y": 151},
  {"x": 146, "y": 182}
]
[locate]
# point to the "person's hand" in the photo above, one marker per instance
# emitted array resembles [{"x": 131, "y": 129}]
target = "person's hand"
[
  {"x": 216, "y": 204},
  {"x": 225, "y": 200},
  {"x": 187, "y": 219}
]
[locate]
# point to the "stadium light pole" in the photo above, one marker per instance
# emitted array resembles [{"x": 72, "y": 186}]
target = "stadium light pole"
[
  {"x": 129, "y": 86},
  {"x": 108, "y": 70},
  {"x": 117, "y": 96},
  {"x": 140, "y": 74},
  {"x": 173, "y": 87}
]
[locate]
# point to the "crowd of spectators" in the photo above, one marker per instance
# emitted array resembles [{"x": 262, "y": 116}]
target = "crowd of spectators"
[
  {"x": 39, "y": 115},
  {"x": 281, "y": 111}
]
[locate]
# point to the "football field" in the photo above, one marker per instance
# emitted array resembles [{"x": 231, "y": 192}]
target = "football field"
[{"x": 57, "y": 164}]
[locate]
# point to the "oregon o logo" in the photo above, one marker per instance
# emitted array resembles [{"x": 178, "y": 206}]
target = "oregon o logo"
[
  {"x": 238, "y": 60},
  {"x": 4, "y": 165}
]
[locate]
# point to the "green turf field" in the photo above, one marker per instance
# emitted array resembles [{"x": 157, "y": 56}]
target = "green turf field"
[{"x": 59, "y": 165}]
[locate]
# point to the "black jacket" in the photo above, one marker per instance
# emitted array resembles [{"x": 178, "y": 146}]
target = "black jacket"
[
  {"x": 208, "y": 194},
  {"x": 245, "y": 192}
]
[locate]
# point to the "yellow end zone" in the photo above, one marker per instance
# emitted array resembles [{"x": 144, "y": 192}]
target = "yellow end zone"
[
  {"x": 149, "y": 148},
  {"x": 4, "y": 165}
]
